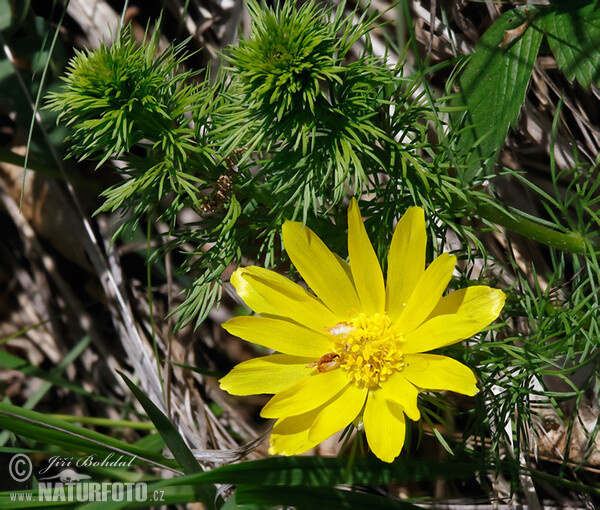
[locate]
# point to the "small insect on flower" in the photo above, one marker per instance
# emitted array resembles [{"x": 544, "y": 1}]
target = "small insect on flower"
[
  {"x": 329, "y": 361},
  {"x": 369, "y": 334}
]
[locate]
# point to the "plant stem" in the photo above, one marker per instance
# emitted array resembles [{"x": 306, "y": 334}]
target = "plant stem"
[
  {"x": 105, "y": 422},
  {"x": 351, "y": 457},
  {"x": 573, "y": 242}
]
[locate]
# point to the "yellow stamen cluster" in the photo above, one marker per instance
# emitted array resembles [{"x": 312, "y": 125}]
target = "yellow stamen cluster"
[{"x": 369, "y": 348}]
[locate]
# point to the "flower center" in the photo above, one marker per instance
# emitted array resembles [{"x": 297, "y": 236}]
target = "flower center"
[{"x": 368, "y": 348}]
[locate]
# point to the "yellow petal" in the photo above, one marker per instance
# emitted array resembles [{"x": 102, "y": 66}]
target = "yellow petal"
[
  {"x": 305, "y": 395},
  {"x": 279, "y": 335},
  {"x": 366, "y": 270},
  {"x": 479, "y": 303},
  {"x": 406, "y": 260},
  {"x": 254, "y": 300},
  {"x": 438, "y": 332},
  {"x": 269, "y": 374},
  {"x": 346, "y": 267},
  {"x": 402, "y": 392},
  {"x": 433, "y": 372},
  {"x": 267, "y": 292},
  {"x": 427, "y": 293},
  {"x": 290, "y": 435},
  {"x": 385, "y": 426},
  {"x": 320, "y": 269},
  {"x": 338, "y": 413}
]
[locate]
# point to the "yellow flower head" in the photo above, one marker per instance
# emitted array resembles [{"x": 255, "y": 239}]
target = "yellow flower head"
[{"x": 354, "y": 348}]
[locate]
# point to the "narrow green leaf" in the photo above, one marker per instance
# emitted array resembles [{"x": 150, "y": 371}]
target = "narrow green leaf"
[
  {"x": 169, "y": 433},
  {"x": 198, "y": 370},
  {"x": 151, "y": 442},
  {"x": 493, "y": 86},
  {"x": 574, "y": 37},
  {"x": 173, "y": 440},
  {"x": 8, "y": 449},
  {"x": 313, "y": 498},
  {"x": 319, "y": 471},
  {"x": 47, "y": 429},
  {"x": 12, "y": 362},
  {"x": 105, "y": 422},
  {"x": 29, "y": 499}
]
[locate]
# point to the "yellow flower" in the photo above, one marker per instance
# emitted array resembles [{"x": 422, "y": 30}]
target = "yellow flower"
[{"x": 354, "y": 348}]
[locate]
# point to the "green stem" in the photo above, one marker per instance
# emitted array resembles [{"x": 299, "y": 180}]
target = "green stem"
[
  {"x": 352, "y": 457},
  {"x": 573, "y": 242},
  {"x": 105, "y": 422},
  {"x": 557, "y": 481}
]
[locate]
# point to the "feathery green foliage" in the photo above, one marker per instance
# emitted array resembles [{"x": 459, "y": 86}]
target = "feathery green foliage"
[
  {"x": 296, "y": 95},
  {"x": 290, "y": 55},
  {"x": 128, "y": 103}
]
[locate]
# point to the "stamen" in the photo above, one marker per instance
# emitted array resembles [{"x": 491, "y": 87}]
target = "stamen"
[{"x": 368, "y": 349}]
